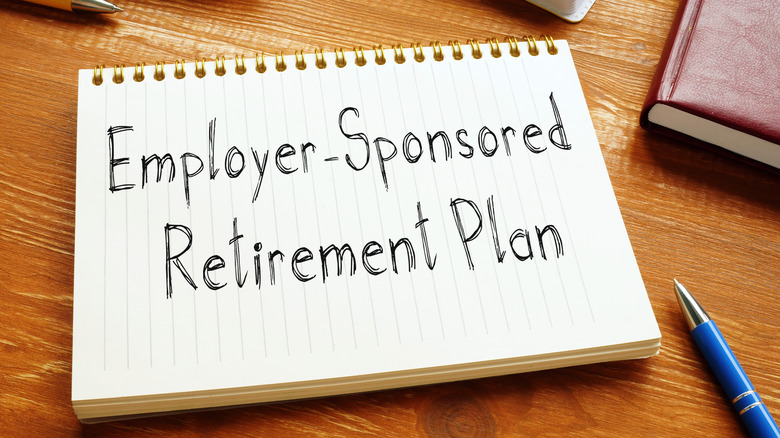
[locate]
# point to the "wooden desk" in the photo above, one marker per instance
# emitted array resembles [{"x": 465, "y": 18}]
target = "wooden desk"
[{"x": 712, "y": 222}]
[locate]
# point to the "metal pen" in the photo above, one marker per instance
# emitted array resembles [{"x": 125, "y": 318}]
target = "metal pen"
[
  {"x": 101, "y": 6},
  {"x": 724, "y": 364}
]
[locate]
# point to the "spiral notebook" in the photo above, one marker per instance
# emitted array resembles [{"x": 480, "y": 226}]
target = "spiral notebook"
[{"x": 268, "y": 228}]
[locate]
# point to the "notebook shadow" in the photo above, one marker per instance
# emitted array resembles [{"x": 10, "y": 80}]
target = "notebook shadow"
[{"x": 723, "y": 173}]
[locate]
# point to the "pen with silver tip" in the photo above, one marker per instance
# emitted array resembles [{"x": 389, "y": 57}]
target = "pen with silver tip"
[
  {"x": 101, "y": 6},
  {"x": 724, "y": 364}
]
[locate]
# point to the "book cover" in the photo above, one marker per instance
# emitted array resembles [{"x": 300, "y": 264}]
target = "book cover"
[{"x": 717, "y": 80}]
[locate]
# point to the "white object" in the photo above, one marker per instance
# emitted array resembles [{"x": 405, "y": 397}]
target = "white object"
[{"x": 570, "y": 10}]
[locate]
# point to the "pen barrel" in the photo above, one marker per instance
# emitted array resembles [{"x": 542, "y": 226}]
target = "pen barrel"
[
  {"x": 721, "y": 359},
  {"x": 59, "y": 4},
  {"x": 734, "y": 381}
]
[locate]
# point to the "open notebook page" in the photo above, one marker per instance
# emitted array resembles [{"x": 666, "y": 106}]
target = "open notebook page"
[{"x": 245, "y": 233}]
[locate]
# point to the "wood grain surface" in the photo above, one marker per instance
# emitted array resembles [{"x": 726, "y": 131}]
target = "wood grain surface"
[{"x": 710, "y": 221}]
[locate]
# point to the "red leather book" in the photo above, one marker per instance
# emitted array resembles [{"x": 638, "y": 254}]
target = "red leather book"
[{"x": 718, "y": 81}]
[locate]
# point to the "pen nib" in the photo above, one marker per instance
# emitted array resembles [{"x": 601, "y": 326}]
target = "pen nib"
[
  {"x": 694, "y": 314},
  {"x": 103, "y": 6}
]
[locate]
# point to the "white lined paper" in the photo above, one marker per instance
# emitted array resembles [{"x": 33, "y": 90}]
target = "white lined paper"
[{"x": 310, "y": 199}]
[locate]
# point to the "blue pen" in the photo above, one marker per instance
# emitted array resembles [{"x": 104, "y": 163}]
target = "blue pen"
[{"x": 730, "y": 374}]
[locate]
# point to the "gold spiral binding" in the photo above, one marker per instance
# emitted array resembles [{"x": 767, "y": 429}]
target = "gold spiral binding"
[
  {"x": 240, "y": 65},
  {"x": 319, "y": 59},
  {"x": 476, "y": 52},
  {"x": 97, "y": 75},
  {"x": 119, "y": 73},
  {"x": 219, "y": 68},
  {"x": 379, "y": 55},
  {"x": 418, "y": 52},
  {"x": 200, "y": 69},
  {"x": 457, "y": 53},
  {"x": 178, "y": 69},
  {"x": 300, "y": 63},
  {"x": 495, "y": 51},
  {"x": 551, "y": 49},
  {"x": 360, "y": 57},
  {"x": 159, "y": 70},
  {"x": 438, "y": 54},
  {"x": 533, "y": 50},
  {"x": 341, "y": 61},
  {"x": 260, "y": 60},
  {"x": 138, "y": 75},
  {"x": 280, "y": 65},
  {"x": 398, "y": 54},
  {"x": 514, "y": 50}
]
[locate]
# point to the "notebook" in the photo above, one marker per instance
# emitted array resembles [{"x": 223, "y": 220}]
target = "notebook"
[
  {"x": 716, "y": 82},
  {"x": 279, "y": 227}
]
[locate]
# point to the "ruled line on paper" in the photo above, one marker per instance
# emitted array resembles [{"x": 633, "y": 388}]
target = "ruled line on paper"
[
  {"x": 398, "y": 208},
  {"x": 306, "y": 135},
  {"x": 338, "y": 221},
  {"x": 362, "y": 236},
  {"x": 229, "y": 187},
  {"x": 481, "y": 195},
  {"x": 377, "y": 188},
  {"x": 148, "y": 222},
  {"x": 539, "y": 195},
  {"x": 127, "y": 259},
  {"x": 105, "y": 242}
]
